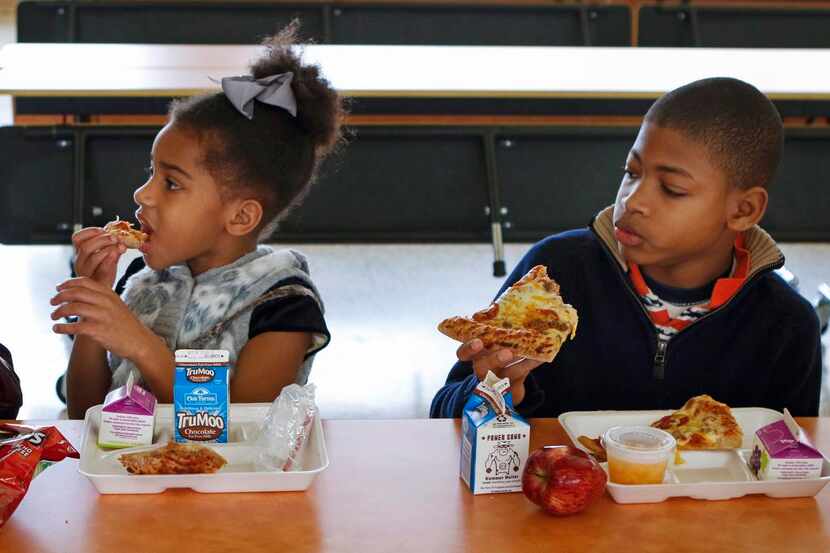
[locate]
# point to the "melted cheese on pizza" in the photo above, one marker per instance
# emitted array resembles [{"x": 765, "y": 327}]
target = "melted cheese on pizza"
[
  {"x": 702, "y": 423},
  {"x": 529, "y": 318},
  {"x": 534, "y": 303}
]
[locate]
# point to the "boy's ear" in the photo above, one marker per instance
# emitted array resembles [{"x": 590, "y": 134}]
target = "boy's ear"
[
  {"x": 746, "y": 208},
  {"x": 244, "y": 217}
]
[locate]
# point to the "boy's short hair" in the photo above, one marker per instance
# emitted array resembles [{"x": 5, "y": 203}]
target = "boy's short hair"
[{"x": 735, "y": 121}]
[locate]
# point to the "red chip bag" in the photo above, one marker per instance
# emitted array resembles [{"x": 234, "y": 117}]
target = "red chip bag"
[{"x": 24, "y": 453}]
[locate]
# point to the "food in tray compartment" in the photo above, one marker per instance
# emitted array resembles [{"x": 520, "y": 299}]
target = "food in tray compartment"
[
  {"x": 173, "y": 458},
  {"x": 638, "y": 454},
  {"x": 201, "y": 396},
  {"x": 562, "y": 480},
  {"x": 529, "y": 318},
  {"x": 597, "y": 450},
  {"x": 125, "y": 233},
  {"x": 594, "y": 447},
  {"x": 127, "y": 417},
  {"x": 779, "y": 454},
  {"x": 703, "y": 423}
]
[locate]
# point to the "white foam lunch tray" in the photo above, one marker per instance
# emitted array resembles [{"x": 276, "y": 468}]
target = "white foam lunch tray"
[
  {"x": 713, "y": 475},
  {"x": 109, "y": 477}
]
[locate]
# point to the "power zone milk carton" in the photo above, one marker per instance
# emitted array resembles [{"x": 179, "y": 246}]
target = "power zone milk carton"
[
  {"x": 200, "y": 396},
  {"x": 494, "y": 439}
]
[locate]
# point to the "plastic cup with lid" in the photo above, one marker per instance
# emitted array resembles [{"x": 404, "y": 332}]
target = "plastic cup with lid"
[{"x": 638, "y": 454}]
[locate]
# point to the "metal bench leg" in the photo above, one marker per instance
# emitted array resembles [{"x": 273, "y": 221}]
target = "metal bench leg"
[{"x": 499, "y": 269}]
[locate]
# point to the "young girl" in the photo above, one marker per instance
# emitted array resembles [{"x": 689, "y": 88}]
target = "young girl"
[{"x": 225, "y": 168}]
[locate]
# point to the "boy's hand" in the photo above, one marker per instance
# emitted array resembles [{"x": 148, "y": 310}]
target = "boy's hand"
[
  {"x": 104, "y": 317},
  {"x": 502, "y": 362},
  {"x": 96, "y": 255}
]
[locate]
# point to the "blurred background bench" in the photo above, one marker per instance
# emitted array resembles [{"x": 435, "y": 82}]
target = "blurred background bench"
[
  {"x": 442, "y": 22},
  {"x": 448, "y": 144},
  {"x": 709, "y": 23}
]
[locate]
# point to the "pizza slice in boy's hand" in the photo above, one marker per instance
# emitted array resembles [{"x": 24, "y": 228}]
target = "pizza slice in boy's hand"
[
  {"x": 126, "y": 234},
  {"x": 703, "y": 423},
  {"x": 529, "y": 318}
]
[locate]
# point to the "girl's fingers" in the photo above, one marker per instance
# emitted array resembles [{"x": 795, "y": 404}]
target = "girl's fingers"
[
  {"x": 76, "y": 293},
  {"x": 83, "y": 282},
  {"x": 94, "y": 244},
  {"x": 77, "y": 309},
  {"x": 101, "y": 257},
  {"x": 85, "y": 234},
  {"x": 70, "y": 328}
]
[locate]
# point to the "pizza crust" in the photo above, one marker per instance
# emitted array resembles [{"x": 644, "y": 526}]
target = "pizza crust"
[{"x": 522, "y": 341}]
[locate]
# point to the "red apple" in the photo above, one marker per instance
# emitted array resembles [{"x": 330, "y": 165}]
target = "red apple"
[{"x": 562, "y": 480}]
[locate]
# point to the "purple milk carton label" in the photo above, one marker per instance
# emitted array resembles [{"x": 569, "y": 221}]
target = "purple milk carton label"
[
  {"x": 778, "y": 453},
  {"x": 200, "y": 396},
  {"x": 127, "y": 417}
]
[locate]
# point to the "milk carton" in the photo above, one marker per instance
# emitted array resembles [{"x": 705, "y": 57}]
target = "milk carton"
[
  {"x": 494, "y": 439},
  {"x": 200, "y": 396},
  {"x": 778, "y": 454},
  {"x": 127, "y": 417}
]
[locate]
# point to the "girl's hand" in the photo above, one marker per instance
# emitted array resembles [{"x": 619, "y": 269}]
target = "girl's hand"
[
  {"x": 502, "y": 362},
  {"x": 96, "y": 255},
  {"x": 104, "y": 317}
]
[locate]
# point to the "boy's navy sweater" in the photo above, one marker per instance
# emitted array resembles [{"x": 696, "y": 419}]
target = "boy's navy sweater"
[{"x": 760, "y": 349}]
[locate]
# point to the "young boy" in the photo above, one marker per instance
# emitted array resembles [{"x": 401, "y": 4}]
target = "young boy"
[{"x": 674, "y": 285}]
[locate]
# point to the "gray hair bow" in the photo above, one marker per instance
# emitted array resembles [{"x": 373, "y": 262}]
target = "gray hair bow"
[{"x": 274, "y": 90}]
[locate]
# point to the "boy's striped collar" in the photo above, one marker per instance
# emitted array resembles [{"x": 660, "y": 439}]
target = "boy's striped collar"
[{"x": 763, "y": 252}]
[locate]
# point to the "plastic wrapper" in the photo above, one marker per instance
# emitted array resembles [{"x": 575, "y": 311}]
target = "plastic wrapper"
[
  {"x": 24, "y": 453},
  {"x": 286, "y": 428}
]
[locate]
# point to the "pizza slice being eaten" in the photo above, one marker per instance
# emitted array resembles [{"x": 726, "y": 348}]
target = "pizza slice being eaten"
[
  {"x": 703, "y": 423},
  {"x": 530, "y": 318},
  {"x": 174, "y": 458},
  {"x": 125, "y": 233}
]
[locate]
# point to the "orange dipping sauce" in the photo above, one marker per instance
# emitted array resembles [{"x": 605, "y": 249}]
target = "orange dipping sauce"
[
  {"x": 628, "y": 472},
  {"x": 638, "y": 454}
]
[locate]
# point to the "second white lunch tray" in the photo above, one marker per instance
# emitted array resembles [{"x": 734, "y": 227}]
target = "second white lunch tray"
[
  {"x": 713, "y": 475},
  {"x": 239, "y": 475}
]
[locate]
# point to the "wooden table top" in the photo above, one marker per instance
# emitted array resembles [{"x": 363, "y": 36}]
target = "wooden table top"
[
  {"x": 394, "y": 486},
  {"x": 135, "y": 70}
]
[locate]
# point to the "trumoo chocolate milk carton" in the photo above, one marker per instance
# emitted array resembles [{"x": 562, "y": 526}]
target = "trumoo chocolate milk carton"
[
  {"x": 127, "y": 417},
  {"x": 494, "y": 439},
  {"x": 778, "y": 454},
  {"x": 200, "y": 396}
]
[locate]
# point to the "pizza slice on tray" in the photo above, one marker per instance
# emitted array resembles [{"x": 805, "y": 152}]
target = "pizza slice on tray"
[
  {"x": 530, "y": 318},
  {"x": 703, "y": 423},
  {"x": 125, "y": 233},
  {"x": 174, "y": 458}
]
